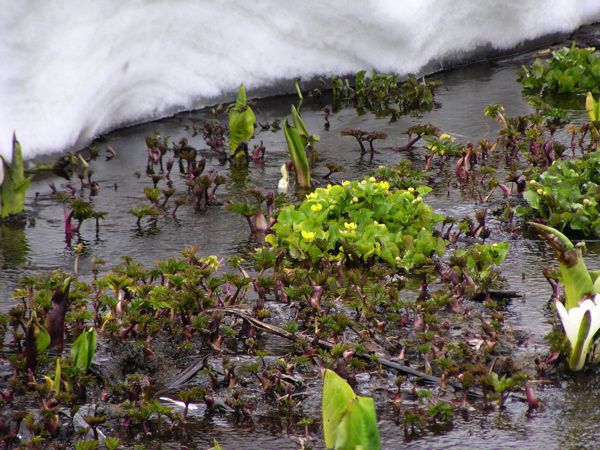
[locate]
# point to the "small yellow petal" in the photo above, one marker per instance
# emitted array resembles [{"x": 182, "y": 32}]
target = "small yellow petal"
[{"x": 308, "y": 235}]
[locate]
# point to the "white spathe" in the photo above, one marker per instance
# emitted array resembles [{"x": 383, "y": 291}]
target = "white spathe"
[
  {"x": 72, "y": 69},
  {"x": 283, "y": 184},
  {"x": 571, "y": 321}
]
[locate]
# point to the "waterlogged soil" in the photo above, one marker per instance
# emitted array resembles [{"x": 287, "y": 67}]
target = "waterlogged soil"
[{"x": 568, "y": 416}]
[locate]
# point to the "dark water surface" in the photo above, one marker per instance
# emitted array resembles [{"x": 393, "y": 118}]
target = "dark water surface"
[{"x": 570, "y": 414}]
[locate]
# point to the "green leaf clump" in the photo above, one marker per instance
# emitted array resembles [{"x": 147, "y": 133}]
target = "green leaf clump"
[
  {"x": 480, "y": 261},
  {"x": 566, "y": 196},
  {"x": 361, "y": 221},
  {"x": 383, "y": 94},
  {"x": 241, "y": 121},
  {"x": 84, "y": 347},
  {"x": 568, "y": 70},
  {"x": 13, "y": 183},
  {"x": 298, "y": 140}
]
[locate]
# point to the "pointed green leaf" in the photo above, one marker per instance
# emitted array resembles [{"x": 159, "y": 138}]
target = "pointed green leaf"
[
  {"x": 297, "y": 154},
  {"x": 358, "y": 427},
  {"x": 57, "y": 377},
  {"x": 15, "y": 184},
  {"x": 241, "y": 101},
  {"x": 578, "y": 353},
  {"x": 592, "y": 106},
  {"x": 83, "y": 349},
  {"x": 241, "y": 121},
  {"x": 299, "y": 124},
  {"x": 92, "y": 342},
  {"x": 42, "y": 338},
  {"x": 596, "y": 278},
  {"x": 337, "y": 395},
  {"x": 299, "y": 93}
]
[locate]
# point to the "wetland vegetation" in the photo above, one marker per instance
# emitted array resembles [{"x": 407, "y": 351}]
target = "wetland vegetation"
[{"x": 361, "y": 281}]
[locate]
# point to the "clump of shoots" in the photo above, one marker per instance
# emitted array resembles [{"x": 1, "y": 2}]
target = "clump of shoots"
[{"x": 299, "y": 140}]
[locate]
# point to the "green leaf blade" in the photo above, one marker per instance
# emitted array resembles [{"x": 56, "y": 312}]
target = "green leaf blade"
[
  {"x": 337, "y": 395},
  {"x": 358, "y": 428}
]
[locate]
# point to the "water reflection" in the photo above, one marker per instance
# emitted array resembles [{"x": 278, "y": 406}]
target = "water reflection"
[{"x": 14, "y": 246}]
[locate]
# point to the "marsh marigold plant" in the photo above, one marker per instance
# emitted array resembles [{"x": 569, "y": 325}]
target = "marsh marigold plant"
[{"x": 361, "y": 221}]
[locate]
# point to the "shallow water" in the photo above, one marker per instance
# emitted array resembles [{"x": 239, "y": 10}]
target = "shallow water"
[
  {"x": 72, "y": 70},
  {"x": 569, "y": 417}
]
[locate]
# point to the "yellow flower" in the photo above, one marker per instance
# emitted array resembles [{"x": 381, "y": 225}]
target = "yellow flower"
[
  {"x": 316, "y": 207},
  {"x": 363, "y": 182},
  {"x": 350, "y": 226},
  {"x": 311, "y": 196},
  {"x": 384, "y": 185},
  {"x": 345, "y": 183},
  {"x": 308, "y": 235},
  {"x": 211, "y": 261},
  {"x": 354, "y": 199},
  {"x": 411, "y": 189},
  {"x": 446, "y": 137},
  {"x": 372, "y": 179}
]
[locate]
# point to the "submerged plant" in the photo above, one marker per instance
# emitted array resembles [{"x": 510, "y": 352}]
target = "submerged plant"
[
  {"x": 580, "y": 315},
  {"x": 13, "y": 183},
  {"x": 349, "y": 421}
]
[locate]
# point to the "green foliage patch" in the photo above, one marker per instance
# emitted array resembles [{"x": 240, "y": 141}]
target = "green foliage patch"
[
  {"x": 568, "y": 70},
  {"x": 566, "y": 195},
  {"x": 361, "y": 220}
]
